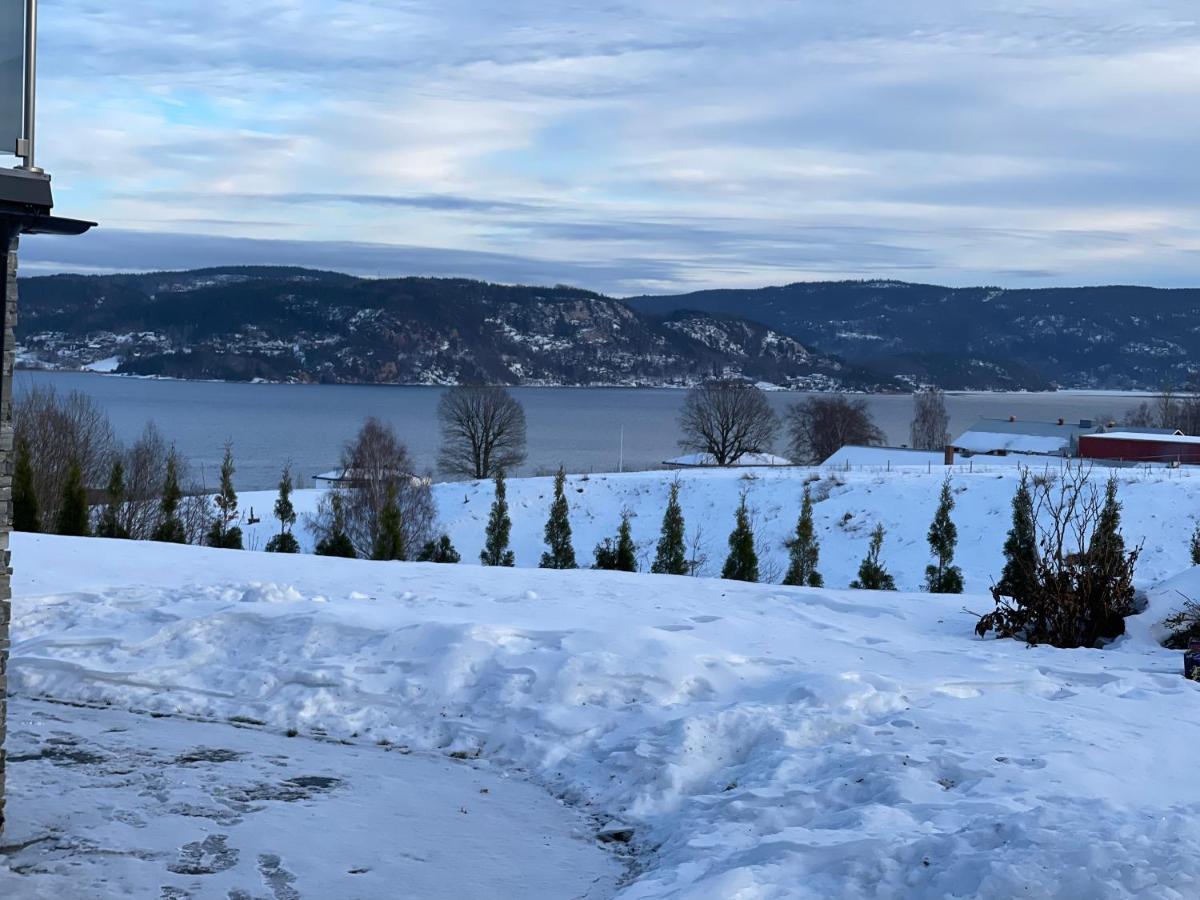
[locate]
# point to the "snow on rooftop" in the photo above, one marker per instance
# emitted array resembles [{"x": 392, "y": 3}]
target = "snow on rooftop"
[
  {"x": 899, "y": 457},
  {"x": 700, "y": 460},
  {"x": 992, "y": 442},
  {"x": 1160, "y": 438}
]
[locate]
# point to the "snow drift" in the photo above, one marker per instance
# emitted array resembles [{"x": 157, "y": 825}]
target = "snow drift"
[{"x": 763, "y": 742}]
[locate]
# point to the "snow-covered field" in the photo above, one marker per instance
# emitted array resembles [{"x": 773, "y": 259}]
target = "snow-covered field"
[
  {"x": 761, "y": 741},
  {"x": 1161, "y": 506}
]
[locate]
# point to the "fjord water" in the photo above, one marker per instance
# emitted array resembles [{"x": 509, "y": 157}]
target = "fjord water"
[{"x": 579, "y": 428}]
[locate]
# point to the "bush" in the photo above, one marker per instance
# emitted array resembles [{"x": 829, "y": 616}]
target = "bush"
[
  {"x": 1078, "y": 588},
  {"x": 619, "y": 555},
  {"x": 439, "y": 551},
  {"x": 872, "y": 576}
]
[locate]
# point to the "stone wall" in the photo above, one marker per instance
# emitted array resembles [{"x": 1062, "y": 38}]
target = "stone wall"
[{"x": 8, "y": 254}]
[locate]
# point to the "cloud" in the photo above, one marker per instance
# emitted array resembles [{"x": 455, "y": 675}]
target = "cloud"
[{"x": 631, "y": 146}]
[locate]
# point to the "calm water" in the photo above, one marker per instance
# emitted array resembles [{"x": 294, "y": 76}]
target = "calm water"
[{"x": 579, "y": 428}]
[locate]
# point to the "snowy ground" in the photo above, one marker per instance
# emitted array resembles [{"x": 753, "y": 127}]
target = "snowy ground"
[
  {"x": 108, "y": 804},
  {"x": 762, "y": 742}
]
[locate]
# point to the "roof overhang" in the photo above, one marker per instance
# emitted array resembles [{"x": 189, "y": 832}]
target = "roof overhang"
[{"x": 25, "y": 204}]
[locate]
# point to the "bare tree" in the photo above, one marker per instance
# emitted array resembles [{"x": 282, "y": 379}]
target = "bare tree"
[
  {"x": 1170, "y": 410},
  {"x": 727, "y": 419},
  {"x": 821, "y": 425},
  {"x": 483, "y": 431},
  {"x": 931, "y": 423},
  {"x": 145, "y": 472},
  {"x": 61, "y": 431},
  {"x": 376, "y": 471}
]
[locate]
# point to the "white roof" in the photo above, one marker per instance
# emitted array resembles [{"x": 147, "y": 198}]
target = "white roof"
[
  {"x": 1153, "y": 438},
  {"x": 902, "y": 457},
  {"x": 991, "y": 442},
  {"x": 746, "y": 459}
]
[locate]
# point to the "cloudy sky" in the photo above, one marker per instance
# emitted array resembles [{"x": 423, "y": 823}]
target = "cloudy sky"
[{"x": 630, "y": 145}]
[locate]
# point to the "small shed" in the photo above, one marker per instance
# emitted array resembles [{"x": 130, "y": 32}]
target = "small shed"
[{"x": 1140, "y": 447}]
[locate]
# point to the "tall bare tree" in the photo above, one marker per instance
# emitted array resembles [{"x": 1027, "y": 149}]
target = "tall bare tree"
[
  {"x": 727, "y": 419},
  {"x": 821, "y": 425},
  {"x": 377, "y": 474},
  {"x": 483, "y": 431},
  {"x": 930, "y": 423},
  {"x": 61, "y": 431}
]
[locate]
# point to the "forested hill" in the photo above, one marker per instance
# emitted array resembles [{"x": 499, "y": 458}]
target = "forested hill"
[
  {"x": 286, "y": 324},
  {"x": 1092, "y": 337}
]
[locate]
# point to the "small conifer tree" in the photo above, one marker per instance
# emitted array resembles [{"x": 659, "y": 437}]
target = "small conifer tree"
[
  {"x": 803, "y": 550},
  {"x": 223, "y": 532},
  {"x": 495, "y": 551},
  {"x": 619, "y": 555},
  {"x": 872, "y": 576},
  {"x": 336, "y": 542},
  {"x": 285, "y": 512},
  {"x": 110, "y": 525},
  {"x": 439, "y": 551},
  {"x": 742, "y": 562},
  {"x": 670, "y": 557},
  {"x": 1107, "y": 542},
  {"x": 24, "y": 497},
  {"x": 560, "y": 554},
  {"x": 942, "y": 576},
  {"x": 1195, "y": 546},
  {"x": 73, "y": 511},
  {"x": 170, "y": 527},
  {"x": 389, "y": 541},
  {"x": 1020, "y": 547}
]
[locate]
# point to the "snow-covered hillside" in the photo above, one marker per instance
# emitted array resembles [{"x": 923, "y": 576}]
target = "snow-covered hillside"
[
  {"x": 761, "y": 741},
  {"x": 1161, "y": 507}
]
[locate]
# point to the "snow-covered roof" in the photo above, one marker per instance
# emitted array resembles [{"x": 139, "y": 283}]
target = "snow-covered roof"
[
  {"x": 882, "y": 456},
  {"x": 994, "y": 441},
  {"x": 902, "y": 457},
  {"x": 349, "y": 476},
  {"x": 1030, "y": 427},
  {"x": 700, "y": 460},
  {"x": 1159, "y": 438}
]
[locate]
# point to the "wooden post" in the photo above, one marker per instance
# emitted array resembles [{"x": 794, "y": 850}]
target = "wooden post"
[{"x": 8, "y": 250}]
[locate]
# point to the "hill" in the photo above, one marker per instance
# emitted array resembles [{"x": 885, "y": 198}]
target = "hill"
[
  {"x": 978, "y": 338},
  {"x": 299, "y": 325}
]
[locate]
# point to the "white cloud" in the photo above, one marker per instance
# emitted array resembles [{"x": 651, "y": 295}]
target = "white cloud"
[{"x": 641, "y": 145}]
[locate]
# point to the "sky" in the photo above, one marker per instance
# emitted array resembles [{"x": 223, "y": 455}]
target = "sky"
[{"x": 629, "y": 146}]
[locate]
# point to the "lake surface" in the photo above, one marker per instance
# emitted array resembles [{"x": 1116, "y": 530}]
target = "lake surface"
[{"x": 580, "y": 428}]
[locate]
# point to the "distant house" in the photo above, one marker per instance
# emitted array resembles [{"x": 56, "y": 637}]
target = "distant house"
[
  {"x": 1142, "y": 446},
  {"x": 1000, "y": 437},
  {"x": 706, "y": 460}
]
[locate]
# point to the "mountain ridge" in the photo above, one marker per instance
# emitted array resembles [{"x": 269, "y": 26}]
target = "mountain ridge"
[{"x": 301, "y": 325}]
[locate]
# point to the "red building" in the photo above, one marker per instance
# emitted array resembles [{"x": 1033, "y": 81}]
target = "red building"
[{"x": 1125, "y": 446}]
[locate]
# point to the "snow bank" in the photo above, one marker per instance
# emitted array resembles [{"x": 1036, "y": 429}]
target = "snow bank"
[
  {"x": 764, "y": 742},
  {"x": 1160, "y": 508}
]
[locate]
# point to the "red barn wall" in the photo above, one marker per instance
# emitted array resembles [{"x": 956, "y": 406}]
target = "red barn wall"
[{"x": 1158, "y": 451}]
